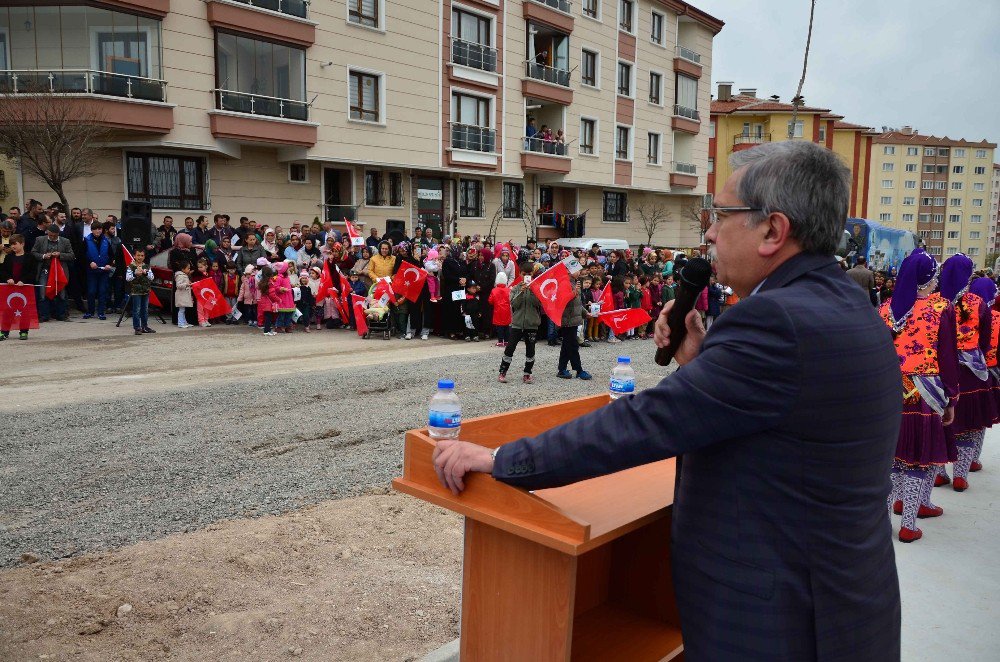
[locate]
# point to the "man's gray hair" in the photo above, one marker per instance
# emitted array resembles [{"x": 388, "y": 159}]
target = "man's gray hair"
[{"x": 806, "y": 182}]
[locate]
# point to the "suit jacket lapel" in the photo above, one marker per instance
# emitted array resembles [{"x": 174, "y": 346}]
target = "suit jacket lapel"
[{"x": 793, "y": 267}]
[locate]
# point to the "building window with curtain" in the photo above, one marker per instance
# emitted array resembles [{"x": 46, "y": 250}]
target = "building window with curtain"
[
  {"x": 260, "y": 77},
  {"x": 655, "y": 87},
  {"x": 623, "y": 140},
  {"x": 470, "y": 203},
  {"x": 395, "y": 189},
  {"x": 625, "y": 79},
  {"x": 365, "y": 97},
  {"x": 374, "y": 191},
  {"x": 470, "y": 126},
  {"x": 167, "y": 181},
  {"x": 587, "y": 135},
  {"x": 513, "y": 200},
  {"x": 615, "y": 207},
  {"x": 653, "y": 149},
  {"x": 686, "y": 94},
  {"x": 364, "y": 12},
  {"x": 589, "y": 67}
]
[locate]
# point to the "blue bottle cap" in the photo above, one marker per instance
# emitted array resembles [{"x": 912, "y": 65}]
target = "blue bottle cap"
[
  {"x": 446, "y": 383},
  {"x": 625, "y": 359}
]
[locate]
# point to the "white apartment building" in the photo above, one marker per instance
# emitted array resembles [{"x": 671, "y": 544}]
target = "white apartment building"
[
  {"x": 995, "y": 211},
  {"x": 411, "y": 112}
]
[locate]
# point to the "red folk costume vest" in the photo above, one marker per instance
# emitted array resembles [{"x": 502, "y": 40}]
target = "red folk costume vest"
[
  {"x": 991, "y": 356},
  {"x": 968, "y": 331},
  {"x": 917, "y": 344}
]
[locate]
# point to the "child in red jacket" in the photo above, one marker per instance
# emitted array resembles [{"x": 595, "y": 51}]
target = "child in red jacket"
[{"x": 500, "y": 300}]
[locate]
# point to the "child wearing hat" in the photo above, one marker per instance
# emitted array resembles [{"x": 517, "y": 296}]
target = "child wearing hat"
[
  {"x": 316, "y": 316},
  {"x": 249, "y": 295},
  {"x": 306, "y": 302},
  {"x": 472, "y": 311},
  {"x": 230, "y": 289}
]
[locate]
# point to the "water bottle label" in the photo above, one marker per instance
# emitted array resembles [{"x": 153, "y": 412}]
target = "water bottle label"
[
  {"x": 442, "y": 419},
  {"x": 622, "y": 385}
]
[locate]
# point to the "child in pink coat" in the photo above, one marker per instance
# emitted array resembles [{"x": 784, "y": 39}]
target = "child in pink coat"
[{"x": 285, "y": 298}]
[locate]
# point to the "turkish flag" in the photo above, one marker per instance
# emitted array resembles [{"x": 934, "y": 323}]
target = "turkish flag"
[
  {"x": 621, "y": 321},
  {"x": 17, "y": 307},
  {"x": 345, "y": 296},
  {"x": 57, "y": 279},
  {"x": 209, "y": 296},
  {"x": 325, "y": 283},
  {"x": 409, "y": 281},
  {"x": 554, "y": 290},
  {"x": 360, "y": 323},
  {"x": 354, "y": 234},
  {"x": 606, "y": 300},
  {"x": 153, "y": 299}
]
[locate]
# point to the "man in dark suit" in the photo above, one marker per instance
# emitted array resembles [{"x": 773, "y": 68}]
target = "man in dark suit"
[{"x": 781, "y": 540}]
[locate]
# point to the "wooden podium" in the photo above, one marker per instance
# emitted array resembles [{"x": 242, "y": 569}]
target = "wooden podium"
[{"x": 580, "y": 572}]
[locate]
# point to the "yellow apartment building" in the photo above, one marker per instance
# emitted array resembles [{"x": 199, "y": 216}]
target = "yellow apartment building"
[
  {"x": 742, "y": 120},
  {"x": 395, "y": 113},
  {"x": 939, "y": 188}
]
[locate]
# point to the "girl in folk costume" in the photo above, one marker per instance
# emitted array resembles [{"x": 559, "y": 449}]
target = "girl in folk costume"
[
  {"x": 976, "y": 408},
  {"x": 986, "y": 289},
  {"x": 923, "y": 330}
]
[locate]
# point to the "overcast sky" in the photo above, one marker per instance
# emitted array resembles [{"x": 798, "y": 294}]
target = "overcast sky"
[{"x": 925, "y": 63}]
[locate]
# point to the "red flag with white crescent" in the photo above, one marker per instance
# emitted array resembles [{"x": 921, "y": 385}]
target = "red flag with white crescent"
[
  {"x": 554, "y": 290},
  {"x": 354, "y": 234},
  {"x": 345, "y": 296},
  {"x": 606, "y": 299},
  {"x": 409, "y": 281},
  {"x": 360, "y": 322},
  {"x": 325, "y": 283},
  {"x": 621, "y": 321},
  {"x": 209, "y": 296},
  {"x": 17, "y": 307},
  {"x": 57, "y": 280}
]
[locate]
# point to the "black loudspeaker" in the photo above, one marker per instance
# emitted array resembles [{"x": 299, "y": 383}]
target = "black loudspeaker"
[
  {"x": 136, "y": 224},
  {"x": 395, "y": 230}
]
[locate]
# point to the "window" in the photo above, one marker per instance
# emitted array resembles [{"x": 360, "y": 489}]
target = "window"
[
  {"x": 907, "y": 218},
  {"x": 167, "y": 182},
  {"x": 623, "y": 139},
  {"x": 471, "y": 123},
  {"x": 979, "y": 186},
  {"x": 912, "y": 151},
  {"x": 653, "y": 149},
  {"x": 925, "y": 218},
  {"x": 953, "y": 234},
  {"x": 886, "y": 167},
  {"x": 591, "y": 8},
  {"x": 927, "y": 184},
  {"x": 822, "y": 133},
  {"x": 973, "y": 251},
  {"x": 977, "y": 202},
  {"x": 711, "y": 129},
  {"x": 471, "y": 110},
  {"x": 374, "y": 191},
  {"x": 656, "y": 28},
  {"x": 589, "y": 64},
  {"x": 797, "y": 133},
  {"x": 298, "y": 173},
  {"x": 588, "y": 134},
  {"x": 929, "y": 168},
  {"x": 887, "y": 183},
  {"x": 952, "y": 218},
  {"x": 889, "y": 150},
  {"x": 711, "y": 165},
  {"x": 615, "y": 207},
  {"x": 973, "y": 235},
  {"x": 911, "y": 167},
  {"x": 625, "y": 79},
  {"x": 885, "y": 200},
  {"x": 928, "y": 151},
  {"x": 980, "y": 153},
  {"x": 979, "y": 170},
  {"x": 255, "y": 76},
  {"x": 470, "y": 201},
  {"x": 513, "y": 200},
  {"x": 910, "y": 183},
  {"x": 885, "y": 218},
  {"x": 909, "y": 200},
  {"x": 625, "y": 11},
  {"x": 955, "y": 202},
  {"x": 937, "y": 218},
  {"x": 939, "y": 202},
  {"x": 941, "y": 169},
  {"x": 364, "y": 12},
  {"x": 935, "y": 250},
  {"x": 655, "y": 88},
  {"x": 395, "y": 189},
  {"x": 956, "y": 186},
  {"x": 686, "y": 95},
  {"x": 959, "y": 153},
  {"x": 958, "y": 170},
  {"x": 472, "y": 28},
  {"x": 940, "y": 186},
  {"x": 976, "y": 218},
  {"x": 943, "y": 151},
  {"x": 364, "y": 97}
]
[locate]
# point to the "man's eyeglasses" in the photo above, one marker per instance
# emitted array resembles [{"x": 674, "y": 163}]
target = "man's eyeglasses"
[{"x": 712, "y": 213}]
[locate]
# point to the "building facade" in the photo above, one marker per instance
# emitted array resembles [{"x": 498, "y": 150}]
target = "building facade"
[
  {"x": 415, "y": 111},
  {"x": 936, "y": 187},
  {"x": 742, "y": 120},
  {"x": 995, "y": 213}
]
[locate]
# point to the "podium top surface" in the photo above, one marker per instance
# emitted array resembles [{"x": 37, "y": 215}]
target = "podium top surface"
[{"x": 574, "y": 518}]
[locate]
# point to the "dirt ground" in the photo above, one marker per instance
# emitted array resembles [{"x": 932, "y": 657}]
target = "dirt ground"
[{"x": 366, "y": 578}]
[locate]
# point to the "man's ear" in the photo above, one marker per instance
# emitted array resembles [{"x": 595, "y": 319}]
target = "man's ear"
[{"x": 775, "y": 232}]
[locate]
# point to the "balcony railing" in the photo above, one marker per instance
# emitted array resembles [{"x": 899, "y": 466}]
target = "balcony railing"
[
  {"x": 473, "y": 138},
  {"x": 683, "y": 168},
  {"x": 687, "y": 54},
  {"x": 564, "y": 6},
  {"x": 337, "y": 213},
  {"x": 82, "y": 81},
  {"x": 256, "y": 104},
  {"x": 297, "y": 8},
  {"x": 543, "y": 146},
  {"x": 688, "y": 113},
  {"x": 548, "y": 74},
  {"x": 471, "y": 54},
  {"x": 751, "y": 139}
]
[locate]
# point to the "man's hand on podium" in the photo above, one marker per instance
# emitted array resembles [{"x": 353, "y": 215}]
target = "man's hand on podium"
[{"x": 453, "y": 459}]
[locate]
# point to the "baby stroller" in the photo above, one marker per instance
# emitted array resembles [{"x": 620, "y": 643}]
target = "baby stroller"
[{"x": 379, "y": 324}]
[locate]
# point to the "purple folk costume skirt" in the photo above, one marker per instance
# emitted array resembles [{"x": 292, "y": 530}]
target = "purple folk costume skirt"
[
  {"x": 923, "y": 440},
  {"x": 977, "y": 406}
]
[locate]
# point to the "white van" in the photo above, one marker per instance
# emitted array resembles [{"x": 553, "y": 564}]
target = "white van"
[{"x": 587, "y": 243}]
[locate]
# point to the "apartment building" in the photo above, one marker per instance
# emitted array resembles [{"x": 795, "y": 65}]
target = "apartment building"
[
  {"x": 995, "y": 212},
  {"x": 742, "y": 120},
  {"x": 416, "y": 111},
  {"x": 936, "y": 187}
]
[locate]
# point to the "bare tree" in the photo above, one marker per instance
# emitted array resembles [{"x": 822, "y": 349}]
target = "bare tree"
[
  {"x": 695, "y": 220},
  {"x": 797, "y": 99},
  {"x": 653, "y": 216},
  {"x": 51, "y": 136}
]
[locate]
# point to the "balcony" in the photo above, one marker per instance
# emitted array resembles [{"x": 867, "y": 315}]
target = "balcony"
[
  {"x": 565, "y": 6},
  {"x": 743, "y": 141},
  {"x": 547, "y": 74},
  {"x": 254, "y": 119},
  {"x": 687, "y": 62},
  {"x": 687, "y": 54},
  {"x": 556, "y": 14},
  {"x": 337, "y": 213},
  {"x": 547, "y": 83},
  {"x": 540, "y": 155},
  {"x": 473, "y": 138},
  {"x": 683, "y": 175},
  {"x": 473, "y": 55},
  {"x": 687, "y": 113},
  {"x": 257, "y": 104},
  {"x": 296, "y": 8},
  {"x": 685, "y": 119}
]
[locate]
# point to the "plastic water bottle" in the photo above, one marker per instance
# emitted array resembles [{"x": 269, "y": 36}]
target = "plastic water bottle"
[
  {"x": 622, "y": 378},
  {"x": 445, "y": 418}
]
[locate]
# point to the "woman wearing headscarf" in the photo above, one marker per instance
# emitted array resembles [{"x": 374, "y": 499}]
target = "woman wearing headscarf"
[
  {"x": 293, "y": 248},
  {"x": 976, "y": 409},
  {"x": 986, "y": 289},
  {"x": 270, "y": 246},
  {"x": 923, "y": 329},
  {"x": 485, "y": 274},
  {"x": 308, "y": 256},
  {"x": 182, "y": 252},
  {"x": 411, "y": 255},
  {"x": 454, "y": 276},
  {"x": 505, "y": 264},
  {"x": 361, "y": 266}
]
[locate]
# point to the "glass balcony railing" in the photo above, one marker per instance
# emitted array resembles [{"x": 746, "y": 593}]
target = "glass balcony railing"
[
  {"x": 297, "y": 8},
  {"x": 82, "y": 81},
  {"x": 683, "y": 168},
  {"x": 256, "y": 104},
  {"x": 548, "y": 74},
  {"x": 751, "y": 138},
  {"x": 471, "y": 54},
  {"x": 337, "y": 213},
  {"x": 687, "y": 54},
  {"x": 542, "y": 146},
  {"x": 687, "y": 113},
  {"x": 473, "y": 138},
  {"x": 565, "y": 6}
]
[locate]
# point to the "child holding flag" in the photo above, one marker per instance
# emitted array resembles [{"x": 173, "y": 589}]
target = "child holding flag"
[
  {"x": 18, "y": 268},
  {"x": 182, "y": 294},
  {"x": 526, "y": 315}
]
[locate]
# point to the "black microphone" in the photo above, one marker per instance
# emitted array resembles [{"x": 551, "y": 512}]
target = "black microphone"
[{"x": 691, "y": 280}]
